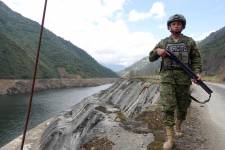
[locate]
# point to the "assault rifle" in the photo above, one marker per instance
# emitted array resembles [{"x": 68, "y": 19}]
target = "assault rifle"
[{"x": 192, "y": 75}]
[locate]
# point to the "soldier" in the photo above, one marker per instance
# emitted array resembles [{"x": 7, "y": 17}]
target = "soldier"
[{"x": 175, "y": 83}]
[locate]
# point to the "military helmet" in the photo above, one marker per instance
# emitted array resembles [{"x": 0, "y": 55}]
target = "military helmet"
[{"x": 177, "y": 17}]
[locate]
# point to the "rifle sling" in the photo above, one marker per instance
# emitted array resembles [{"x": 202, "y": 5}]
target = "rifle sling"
[{"x": 194, "y": 99}]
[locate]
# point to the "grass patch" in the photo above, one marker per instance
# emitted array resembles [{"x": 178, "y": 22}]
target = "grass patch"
[
  {"x": 154, "y": 120},
  {"x": 121, "y": 117},
  {"x": 155, "y": 145},
  {"x": 214, "y": 78},
  {"x": 98, "y": 143}
]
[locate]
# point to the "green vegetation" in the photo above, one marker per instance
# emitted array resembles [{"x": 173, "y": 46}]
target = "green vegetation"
[
  {"x": 213, "y": 53},
  {"x": 97, "y": 143},
  {"x": 122, "y": 118},
  {"x": 154, "y": 119},
  {"x": 214, "y": 78},
  {"x": 19, "y": 38}
]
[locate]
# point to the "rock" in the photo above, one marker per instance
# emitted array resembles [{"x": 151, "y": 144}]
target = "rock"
[
  {"x": 106, "y": 117},
  {"x": 107, "y": 111}
]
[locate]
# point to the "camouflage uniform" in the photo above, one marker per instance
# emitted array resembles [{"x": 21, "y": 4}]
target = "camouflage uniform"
[{"x": 175, "y": 83}]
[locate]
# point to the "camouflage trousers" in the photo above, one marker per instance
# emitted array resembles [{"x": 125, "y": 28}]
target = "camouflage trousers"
[{"x": 175, "y": 101}]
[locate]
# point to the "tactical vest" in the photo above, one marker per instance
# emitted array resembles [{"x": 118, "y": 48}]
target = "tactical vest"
[{"x": 180, "y": 50}]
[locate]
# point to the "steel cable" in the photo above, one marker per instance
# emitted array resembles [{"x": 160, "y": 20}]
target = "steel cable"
[{"x": 34, "y": 76}]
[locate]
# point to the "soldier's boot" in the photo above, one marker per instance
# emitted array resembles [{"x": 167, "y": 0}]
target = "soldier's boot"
[
  {"x": 168, "y": 145},
  {"x": 178, "y": 131}
]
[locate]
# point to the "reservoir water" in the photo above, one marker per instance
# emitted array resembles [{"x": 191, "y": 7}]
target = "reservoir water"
[{"x": 45, "y": 105}]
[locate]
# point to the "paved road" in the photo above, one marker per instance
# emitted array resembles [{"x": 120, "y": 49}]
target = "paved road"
[
  {"x": 216, "y": 106},
  {"x": 213, "y": 115}
]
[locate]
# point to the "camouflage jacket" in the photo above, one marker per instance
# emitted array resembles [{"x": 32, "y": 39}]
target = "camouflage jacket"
[{"x": 177, "y": 75}]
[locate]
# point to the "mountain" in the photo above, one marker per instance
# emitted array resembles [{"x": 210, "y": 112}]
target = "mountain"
[
  {"x": 115, "y": 67},
  {"x": 58, "y": 58},
  {"x": 141, "y": 68},
  {"x": 213, "y": 53},
  {"x": 212, "y": 50}
]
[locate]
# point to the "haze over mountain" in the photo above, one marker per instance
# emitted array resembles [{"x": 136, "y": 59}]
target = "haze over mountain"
[
  {"x": 141, "y": 68},
  {"x": 58, "y": 58}
]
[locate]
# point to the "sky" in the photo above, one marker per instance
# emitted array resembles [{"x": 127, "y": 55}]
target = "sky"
[{"x": 117, "y": 33}]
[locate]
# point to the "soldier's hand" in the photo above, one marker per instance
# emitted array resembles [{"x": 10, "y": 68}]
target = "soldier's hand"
[
  {"x": 199, "y": 78},
  {"x": 162, "y": 52}
]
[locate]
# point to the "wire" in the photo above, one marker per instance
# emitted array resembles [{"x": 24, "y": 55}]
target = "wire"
[{"x": 34, "y": 76}]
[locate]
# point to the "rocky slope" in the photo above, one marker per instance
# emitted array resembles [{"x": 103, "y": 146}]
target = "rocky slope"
[
  {"x": 126, "y": 116},
  {"x": 103, "y": 117}
]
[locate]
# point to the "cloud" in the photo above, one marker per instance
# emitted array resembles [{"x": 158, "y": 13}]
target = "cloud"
[
  {"x": 156, "y": 11},
  {"x": 162, "y": 26},
  {"x": 89, "y": 25},
  {"x": 112, "y": 42}
]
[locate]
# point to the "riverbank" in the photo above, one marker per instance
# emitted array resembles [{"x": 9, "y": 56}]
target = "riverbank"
[
  {"x": 11, "y": 87},
  {"x": 125, "y": 116},
  {"x": 102, "y": 117}
]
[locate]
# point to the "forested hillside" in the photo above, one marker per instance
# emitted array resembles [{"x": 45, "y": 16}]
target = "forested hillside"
[{"x": 58, "y": 58}]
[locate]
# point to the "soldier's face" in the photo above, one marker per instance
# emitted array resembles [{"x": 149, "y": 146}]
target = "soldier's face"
[{"x": 176, "y": 27}]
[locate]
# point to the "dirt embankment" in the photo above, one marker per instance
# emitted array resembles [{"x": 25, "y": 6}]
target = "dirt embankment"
[{"x": 11, "y": 87}]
